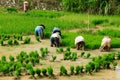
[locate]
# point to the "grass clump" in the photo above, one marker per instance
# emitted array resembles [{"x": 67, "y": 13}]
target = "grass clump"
[
  {"x": 2, "y": 42},
  {"x": 63, "y": 70},
  {"x": 50, "y": 71},
  {"x": 15, "y": 42},
  {"x": 71, "y": 70},
  {"x": 59, "y": 50},
  {"x": 27, "y": 40},
  {"x": 44, "y": 71},
  {"x": 38, "y": 72},
  {"x": 53, "y": 58},
  {"x": 10, "y": 42}
]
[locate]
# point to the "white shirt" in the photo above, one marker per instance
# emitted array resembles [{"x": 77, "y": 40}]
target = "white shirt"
[
  {"x": 78, "y": 39},
  {"x": 58, "y": 36}
]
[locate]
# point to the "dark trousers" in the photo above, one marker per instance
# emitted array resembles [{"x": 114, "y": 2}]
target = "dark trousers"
[{"x": 54, "y": 41}]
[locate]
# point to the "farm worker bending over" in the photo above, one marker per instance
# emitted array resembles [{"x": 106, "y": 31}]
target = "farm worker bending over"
[
  {"x": 79, "y": 43},
  {"x": 39, "y": 31},
  {"x": 55, "y": 39},
  {"x": 106, "y": 43},
  {"x": 56, "y": 30}
]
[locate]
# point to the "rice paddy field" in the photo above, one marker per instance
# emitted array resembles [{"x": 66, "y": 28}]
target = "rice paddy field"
[{"x": 92, "y": 27}]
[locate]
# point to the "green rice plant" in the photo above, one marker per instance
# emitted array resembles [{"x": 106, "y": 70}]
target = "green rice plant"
[
  {"x": 114, "y": 64},
  {"x": 16, "y": 75},
  {"x": 74, "y": 56},
  {"x": 118, "y": 55},
  {"x": 27, "y": 60},
  {"x": 37, "y": 60},
  {"x": 11, "y": 58},
  {"x": 88, "y": 55},
  {"x": 71, "y": 70},
  {"x": 12, "y": 9},
  {"x": 1, "y": 42},
  {"x": 23, "y": 54},
  {"x": 67, "y": 55},
  {"x": 29, "y": 67},
  {"x": 97, "y": 66},
  {"x": 88, "y": 69},
  {"x": 77, "y": 69},
  {"x": 32, "y": 60},
  {"x": 43, "y": 54},
  {"x": 5, "y": 69},
  {"x": 17, "y": 66},
  {"x": 32, "y": 73},
  {"x": 38, "y": 72},
  {"x": 44, "y": 71},
  {"x": 63, "y": 70},
  {"x": 15, "y": 42},
  {"x": 41, "y": 49},
  {"x": 68, "y": 49},
  {"x": 82, "y": 54},
  {"x": 46, "y": 50},
  {"x": 46, "y": 13},
  {"x": 99, "y": 21},
  {"x": 2, "y": 36},
  {"x": 50, "y": 71},
  {"x": 110, "y": 32},
  {"x": 54, "y": 58},
  {"x": 27, "y": 40},
  {"x": 111, "y": 56},
  {"x": 59, "y": 50},
  {"x": 81, "y": 69},
  {"x": 19, "y": 59},
  {"x": 3, "y": 58},
  {"x": 34, "y": 54},
  {"x": 19, "y": 70},
  {"x": 10, "y": 42},
  {"x": 92, "y": 64},
  {"x": 11, "y": 69},
  {"x": 19, "y": 37},
  {"x": 108, "y": 64}
]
